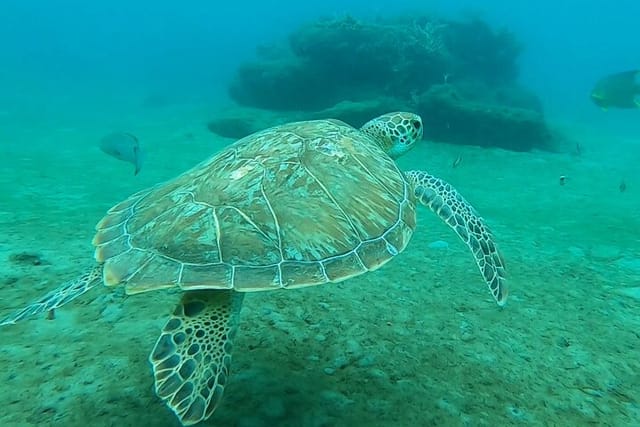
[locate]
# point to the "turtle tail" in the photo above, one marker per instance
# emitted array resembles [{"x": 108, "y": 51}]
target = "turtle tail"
[{"x": 67, "y": 292}]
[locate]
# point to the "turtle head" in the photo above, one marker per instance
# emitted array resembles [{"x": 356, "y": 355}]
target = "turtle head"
[{"x": 396, "y": 133}]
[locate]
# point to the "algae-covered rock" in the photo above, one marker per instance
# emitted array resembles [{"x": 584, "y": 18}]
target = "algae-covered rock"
[
  {"x": 329, "y": 61},
  {"x": 231, "y": 127},
  {"x": 481, "y": 52},
  {"x": 450, "y": 116},
  {"x": 358, "y": 113},
  {"x": 284, "y": 84},
  {"x": 332, "y": 60},
  {"x": 240, "y": 121},
  {"x": 461, "y": 76}
]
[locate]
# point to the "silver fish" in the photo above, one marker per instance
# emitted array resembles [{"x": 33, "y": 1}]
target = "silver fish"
[{"x": 123, "y": 146}]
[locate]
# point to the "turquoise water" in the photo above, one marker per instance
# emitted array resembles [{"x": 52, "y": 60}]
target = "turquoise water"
[{"x": 417, "y": 343}]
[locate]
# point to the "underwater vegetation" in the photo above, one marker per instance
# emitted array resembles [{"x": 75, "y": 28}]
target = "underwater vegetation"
[{"x": 461, "y": 76}]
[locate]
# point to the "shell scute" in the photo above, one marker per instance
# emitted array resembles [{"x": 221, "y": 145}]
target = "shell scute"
[{"x": 297, "y": 205}]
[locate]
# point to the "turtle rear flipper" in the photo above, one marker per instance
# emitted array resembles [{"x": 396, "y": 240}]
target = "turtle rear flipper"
[
  {"x": 58, "y": 297},
  {"x": 192, "y": 357}
]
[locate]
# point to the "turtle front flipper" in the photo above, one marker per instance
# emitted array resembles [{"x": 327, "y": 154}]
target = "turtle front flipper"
[
  {"x": 191, "y": 359},
  {"x": 453, "y": 209},
  {"x": 67, "y": 292}
]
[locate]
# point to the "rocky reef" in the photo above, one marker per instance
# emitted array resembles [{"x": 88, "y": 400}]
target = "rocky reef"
[{"x": 461, "y": 76}]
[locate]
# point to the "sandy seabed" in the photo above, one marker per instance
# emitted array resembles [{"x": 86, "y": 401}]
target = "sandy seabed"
[{"x": 417, "y": 343}]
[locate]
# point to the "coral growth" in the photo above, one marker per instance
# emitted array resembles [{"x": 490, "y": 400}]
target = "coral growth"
[{"x": 450, "y": 71}]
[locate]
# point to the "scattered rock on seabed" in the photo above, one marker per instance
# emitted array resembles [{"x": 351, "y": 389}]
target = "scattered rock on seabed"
[{"x": 438, "y": 244}]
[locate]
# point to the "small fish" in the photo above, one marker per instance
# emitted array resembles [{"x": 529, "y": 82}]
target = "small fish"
[
  {"x": 123, "y": 146},
  {"x": 562, "y": 180},
  {"x": 622, "y": 187},
  {"x": 457, "y": 161},
  {"x": 620, "y": 90}
]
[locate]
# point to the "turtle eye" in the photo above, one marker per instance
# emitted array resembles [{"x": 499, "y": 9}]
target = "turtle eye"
[{"x": 417, "y": 124}]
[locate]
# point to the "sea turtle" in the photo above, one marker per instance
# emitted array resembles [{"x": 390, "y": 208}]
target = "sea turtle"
[{"x": 295, "y": 205}]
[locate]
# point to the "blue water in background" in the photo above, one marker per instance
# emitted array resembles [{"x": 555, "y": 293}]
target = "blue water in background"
[{"x": 99, "y": 54}]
